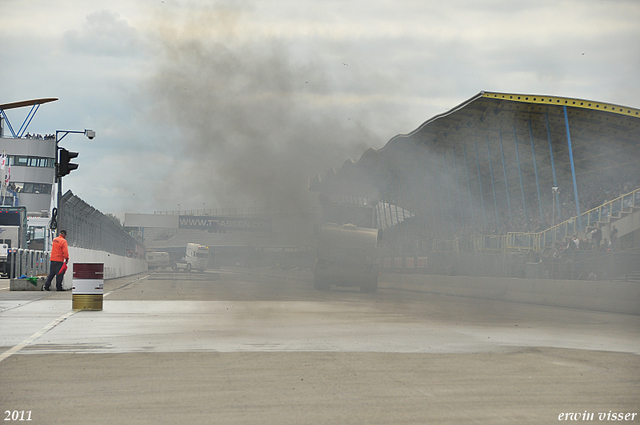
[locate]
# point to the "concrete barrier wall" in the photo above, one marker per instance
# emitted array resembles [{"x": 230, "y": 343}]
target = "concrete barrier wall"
[
  {"x": 115, "y": 266},
  {"x": 616, "y": 297}
]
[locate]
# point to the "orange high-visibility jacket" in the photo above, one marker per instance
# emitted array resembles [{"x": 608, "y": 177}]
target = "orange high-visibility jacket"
[{"x": 59, "y": 249}]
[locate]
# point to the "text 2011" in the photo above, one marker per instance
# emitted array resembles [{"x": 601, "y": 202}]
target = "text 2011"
[{"x": 17, "y": 415}]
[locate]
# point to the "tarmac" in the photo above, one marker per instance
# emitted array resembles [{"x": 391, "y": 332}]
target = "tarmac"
[{"x": 244, "y": 346}]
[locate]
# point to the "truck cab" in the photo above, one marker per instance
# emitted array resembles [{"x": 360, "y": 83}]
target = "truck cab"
[
  {"x": 13, "y": 232},
  {"x": 196, "y": 258}
]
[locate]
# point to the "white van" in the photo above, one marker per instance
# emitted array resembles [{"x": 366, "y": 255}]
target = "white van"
[{"x": 157, "y": 260}]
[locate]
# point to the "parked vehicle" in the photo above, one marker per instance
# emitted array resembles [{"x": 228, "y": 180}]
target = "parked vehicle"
[
  {"x": 13, "y": 232},
  {"x": 157, "y": 260},
  {"x": 196, "y": 258}
]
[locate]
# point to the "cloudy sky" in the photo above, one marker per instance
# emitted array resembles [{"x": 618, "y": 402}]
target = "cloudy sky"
[{"x": 221, "y": 104}]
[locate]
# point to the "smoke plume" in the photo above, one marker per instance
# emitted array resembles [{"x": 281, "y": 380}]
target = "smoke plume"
[{"x": 256, "y": 122}]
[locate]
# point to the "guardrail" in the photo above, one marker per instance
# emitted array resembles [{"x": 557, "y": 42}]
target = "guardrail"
[
  {"x": 590, "y": 218},
  {"x": 521, "y": 240},
  {"x": 546, "y": 238},
  {"x": 27, "y": 262},
  {"x": 490, "y": 243},
  {"x": 445, "y": 246}
]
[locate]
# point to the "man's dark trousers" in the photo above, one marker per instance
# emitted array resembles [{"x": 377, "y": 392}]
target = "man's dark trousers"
[{"x": 53, "y": 271}]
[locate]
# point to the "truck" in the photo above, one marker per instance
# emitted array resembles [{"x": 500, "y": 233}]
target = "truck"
[
  {"x": 347, "y": 245},
  {"x": 346, "y": 256},
  {"x": 196, "y": 258},
  {"x": 39, "y": 233},
  {"x": 157, "y": 260},
  {"x": 13, "y": 232}
]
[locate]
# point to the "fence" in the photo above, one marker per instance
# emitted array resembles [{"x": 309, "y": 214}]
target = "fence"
[
  {"x": 90, "y": 229},
  {"x": 27, "y": 262},
  {"x": 587, "y": 219},
  {"x": 571, "y": 265},
  {"x": 445, "y": 246},
  {"x": 479, "y": 264},
  {"x": 539, "y": 241},
  {"x": 86, "y": 228},
  {"x": 489, "y": 243}
]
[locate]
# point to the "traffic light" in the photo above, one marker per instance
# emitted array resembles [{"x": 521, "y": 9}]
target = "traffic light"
[{"x": 65, "y": 166}]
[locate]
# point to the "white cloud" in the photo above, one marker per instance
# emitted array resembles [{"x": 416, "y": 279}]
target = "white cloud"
[{"x": 104, "y": 33}]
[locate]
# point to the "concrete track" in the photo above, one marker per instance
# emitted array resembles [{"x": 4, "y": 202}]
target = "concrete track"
[{"x": 266, "y": 348}]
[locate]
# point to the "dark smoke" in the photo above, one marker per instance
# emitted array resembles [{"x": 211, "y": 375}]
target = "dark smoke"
[{"x": 255, "y": 123}]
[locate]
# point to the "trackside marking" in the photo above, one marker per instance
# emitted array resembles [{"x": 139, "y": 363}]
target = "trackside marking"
[
  {"x": 50, "y": 326},
  {"x": 36, "y": 335},
  {"x": 125, "y": 285}
]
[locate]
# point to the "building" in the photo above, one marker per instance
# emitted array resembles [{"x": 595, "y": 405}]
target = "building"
[{"x": 28, "y": 174}]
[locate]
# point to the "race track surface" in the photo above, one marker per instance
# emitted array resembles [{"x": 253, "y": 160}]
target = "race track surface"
[{"x": 264, "y": 347}]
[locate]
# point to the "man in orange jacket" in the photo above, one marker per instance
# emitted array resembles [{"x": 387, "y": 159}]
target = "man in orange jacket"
[{"x": 59, "y": 256}]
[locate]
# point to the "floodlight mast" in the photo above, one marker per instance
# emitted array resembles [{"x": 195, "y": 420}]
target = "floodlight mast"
[{"x": 554, "y": 190}]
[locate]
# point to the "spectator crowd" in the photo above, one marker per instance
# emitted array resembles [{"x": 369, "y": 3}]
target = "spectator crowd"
[
  {"x": 40, "y": 136},
  {"x": 444, "y": 224}
]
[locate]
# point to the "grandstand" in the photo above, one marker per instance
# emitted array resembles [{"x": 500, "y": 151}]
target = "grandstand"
[
  {"x": 499, "y": 185},
  {"x": 508, "y": 173}
]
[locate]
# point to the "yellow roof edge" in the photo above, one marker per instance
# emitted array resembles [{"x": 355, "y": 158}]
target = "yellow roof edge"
[{"x": 564, "y": 101}]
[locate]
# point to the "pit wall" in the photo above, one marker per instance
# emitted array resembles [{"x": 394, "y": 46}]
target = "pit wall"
[
  {"x": 610, "y": 296},
  {"x": 115, "y": 266}
]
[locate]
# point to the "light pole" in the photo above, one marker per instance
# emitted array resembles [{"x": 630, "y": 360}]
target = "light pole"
[
  {"x": 61, "y": 134},
  {"x": 554, "y": 195},
  {"x": 554, "y": 190}
]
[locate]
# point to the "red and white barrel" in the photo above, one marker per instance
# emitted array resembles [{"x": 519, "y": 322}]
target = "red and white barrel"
[{"x": 88, "y": 286}]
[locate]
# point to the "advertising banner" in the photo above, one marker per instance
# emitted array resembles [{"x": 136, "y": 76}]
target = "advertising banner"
[{"x": 219, "y": 224}]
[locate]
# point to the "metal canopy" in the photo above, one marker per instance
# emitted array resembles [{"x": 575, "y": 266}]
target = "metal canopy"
[
  {"x": 495, "y": 149},
  {"x": 35, "y": 105}
]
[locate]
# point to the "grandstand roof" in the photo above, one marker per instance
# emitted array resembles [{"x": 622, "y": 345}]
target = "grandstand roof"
[
  {"x": 35, "y": 105},
  {"x": 24, "y": 103},
  {"x": 476, "y": 137}
]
